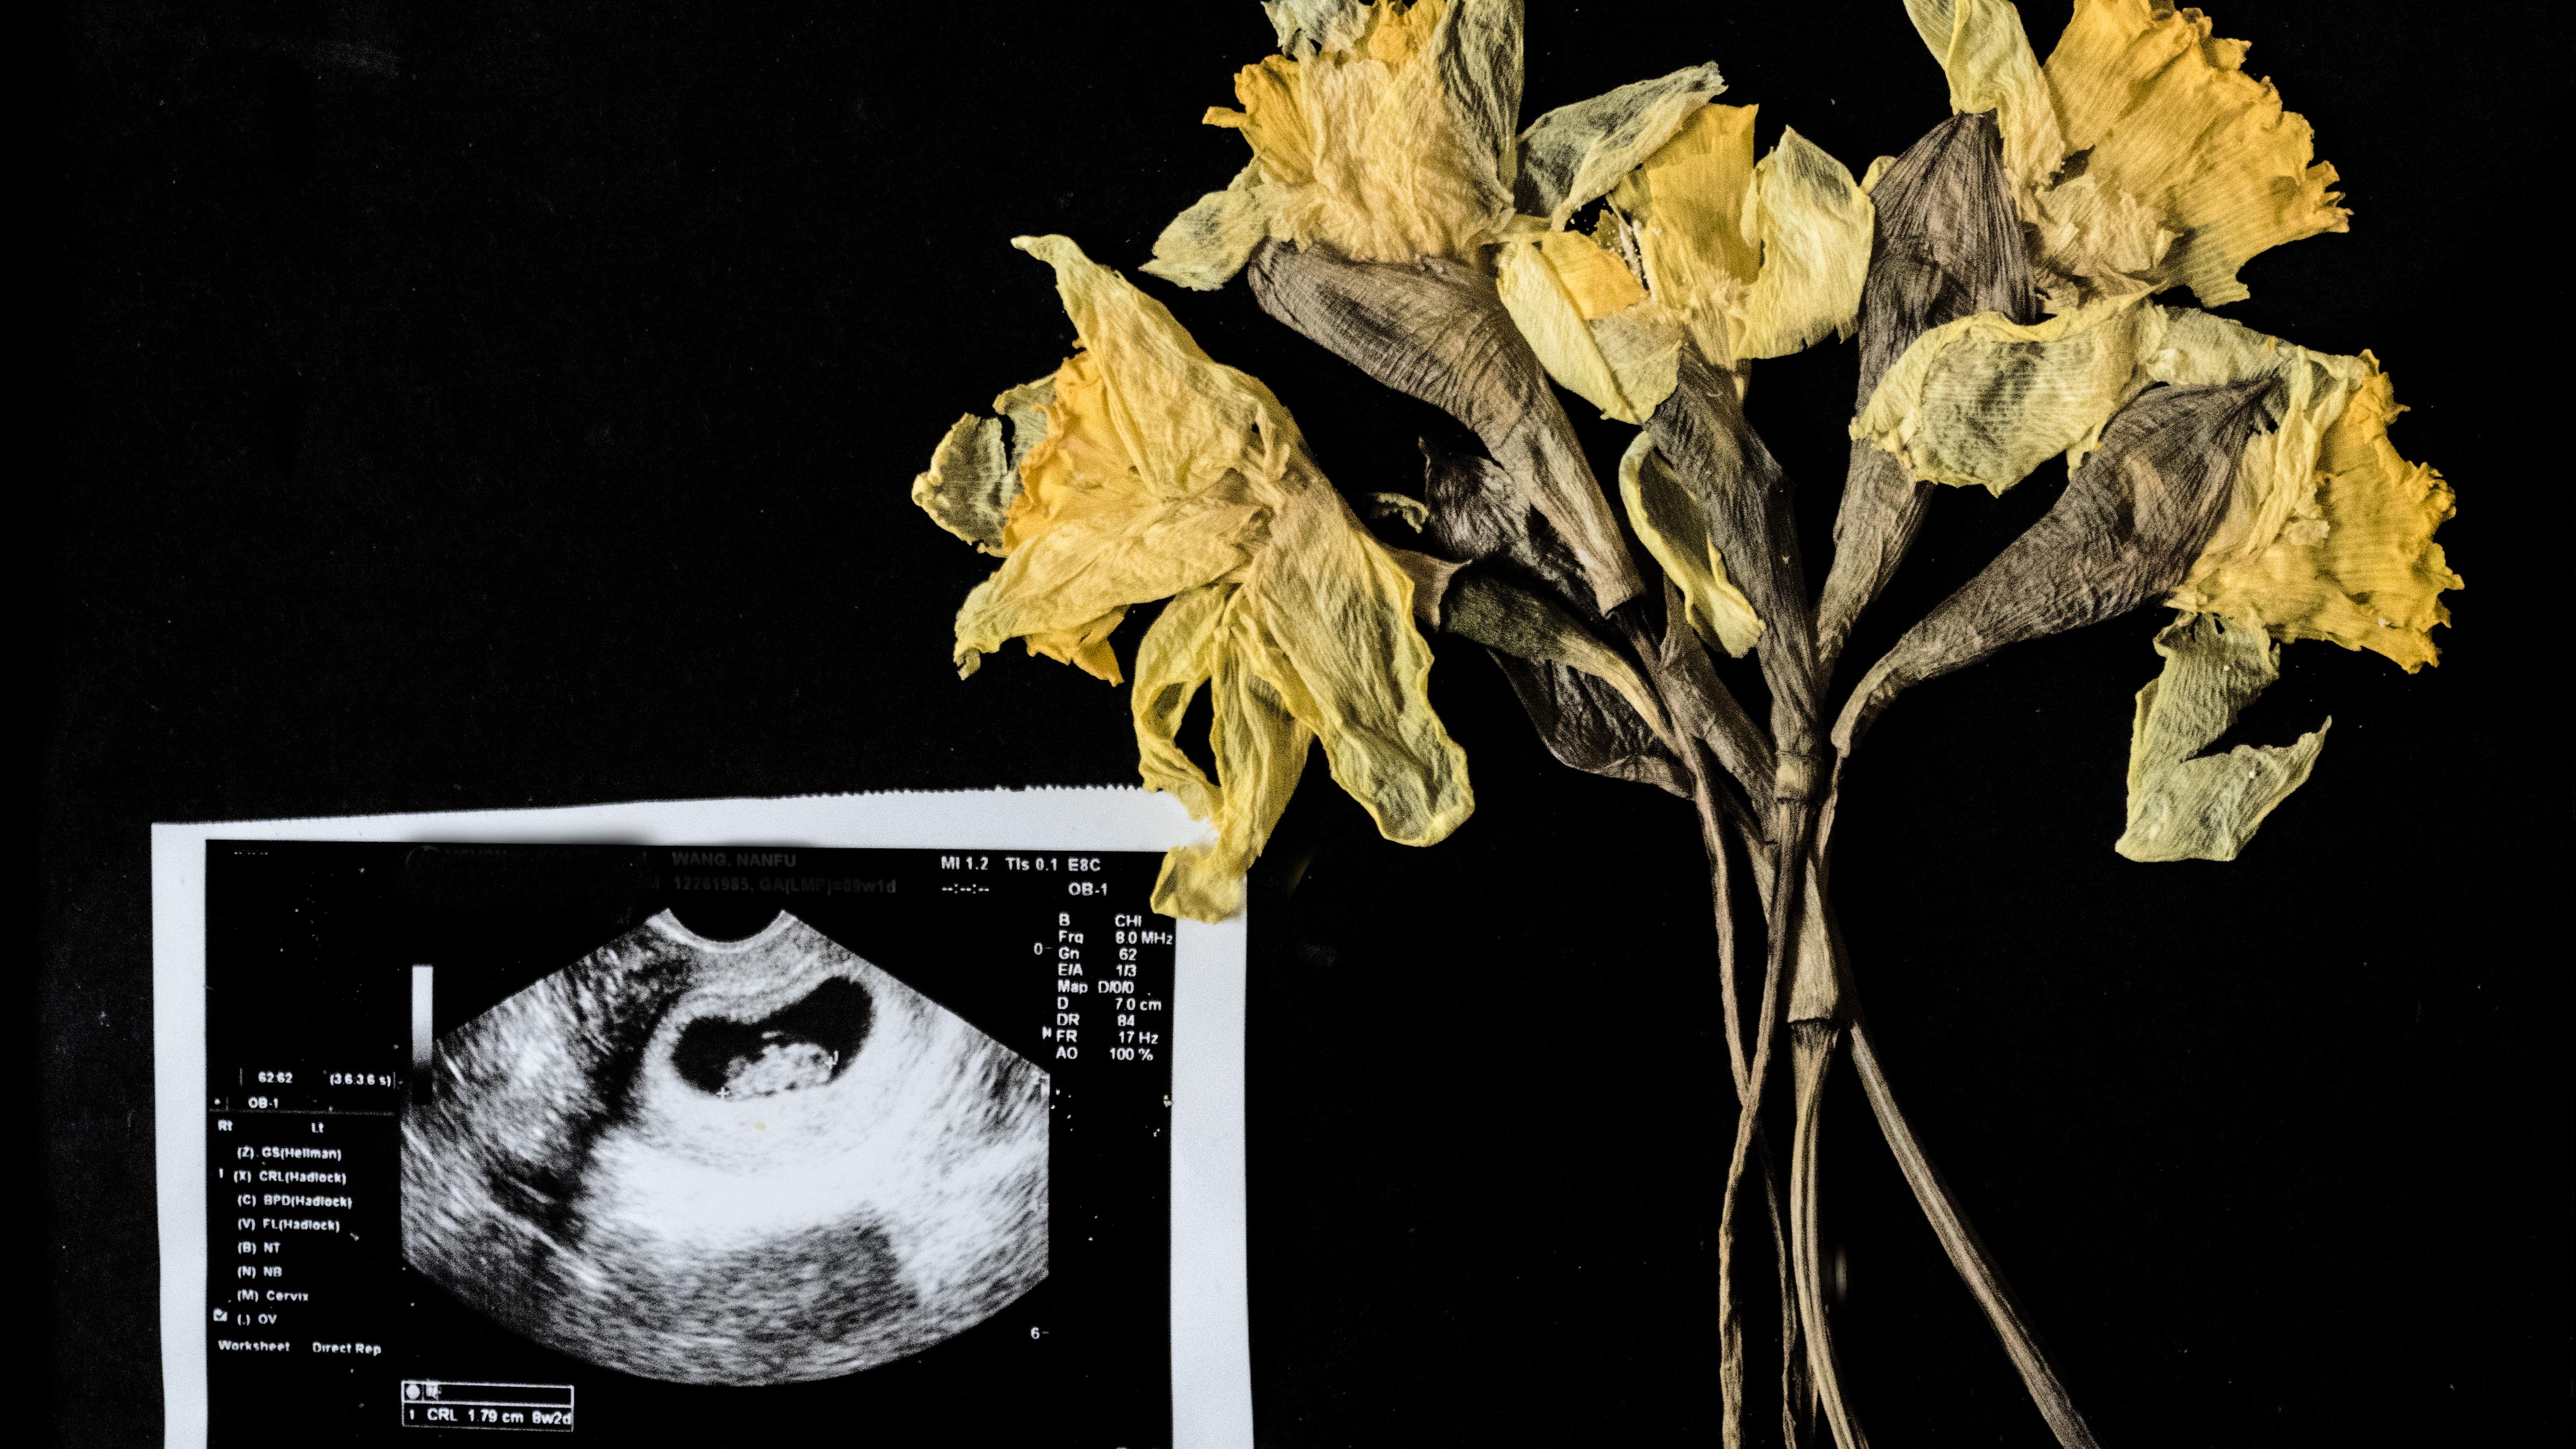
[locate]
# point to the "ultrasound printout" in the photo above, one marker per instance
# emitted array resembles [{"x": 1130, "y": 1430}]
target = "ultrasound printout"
[{"x": 686, "y": 1144}]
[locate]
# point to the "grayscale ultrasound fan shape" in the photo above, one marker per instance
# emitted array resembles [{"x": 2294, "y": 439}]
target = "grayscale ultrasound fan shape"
[{"x": 728, "y": 1162}]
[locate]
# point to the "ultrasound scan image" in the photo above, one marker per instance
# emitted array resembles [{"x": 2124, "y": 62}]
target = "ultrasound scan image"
[{"x": 728, "y": 1162}]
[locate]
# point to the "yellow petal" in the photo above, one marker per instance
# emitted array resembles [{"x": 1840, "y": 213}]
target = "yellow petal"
[
  {"x": 2358, "y": 564},
  {"x": 1085, "y": 648},
  {"x": 1184, "y": 419},
  {"x": 1589, "y": 322},
  {"x": 2169, "y": 117},
  {"x": 1206, "y": 245},
  {"x": 1687, "y": 204},
  {"x": 1177, "y": 657},
  {"x": 1813, "y": 221},
  {"x": 1360, "y": 146},
  {"x": 1675, "y": 531},
  {"x": 1260, "y": 752},
  {"x": 1152, "y": 476},
  {"x": 1989, "y": 63},
  {"x": 2187, "y": 806},
  {"x": 1982, "y": 401},
  {"x": 1328, "y": 623},
  {"x": 1318, "y": 641}
]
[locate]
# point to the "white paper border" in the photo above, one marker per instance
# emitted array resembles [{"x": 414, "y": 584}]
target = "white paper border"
[{"x": 1211, "y": 1339}]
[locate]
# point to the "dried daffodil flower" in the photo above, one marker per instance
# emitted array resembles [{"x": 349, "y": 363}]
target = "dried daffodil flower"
[
  {"x": 2124, "y": 532},
  {"x": 2187, "y": 806},
  {"x": 1748, "y": 261},
  {"x": 2145, "y": 156},
  {"x": 1385, "y": 133},
  {"x": 1155, "y": 472},
  {"x": 2329, "y": 534}
]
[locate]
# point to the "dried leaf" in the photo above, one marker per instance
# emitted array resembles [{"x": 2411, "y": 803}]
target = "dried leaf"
[
  {"x": 1477, "y": 512},
  {"x": 1438, "y": 331},
  {"x": 2187, "y": 806},
  {"x": 1947, "y": 245},
  {"x": 1479, "y": 47},
  {"x": 1527, "y": 625},
  {"x": 1704, "y": 708},
  {"x": 1573, "y": 155},
  {"x": 1744, "y": 496},
  {"x": 1587, "y": 726},
  {"x": 1430, "y": 577},
  {"x": 2125, "y": 531},
  {"x": 1675, "y": 530}
]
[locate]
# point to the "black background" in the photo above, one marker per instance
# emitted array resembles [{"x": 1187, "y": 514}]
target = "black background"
[{"x": 494, "y": 405}]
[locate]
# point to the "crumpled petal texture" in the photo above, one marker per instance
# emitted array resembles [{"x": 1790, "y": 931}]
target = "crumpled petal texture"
[
  {"x": 1589, "y": 322},
  {"x": 1686, "y": 206},
  {"x": 2329, "y": 532},
  {"x": 1162, "y": 473},
  {"x": 2187, "y": 806},
  {"x": 1359, "y": 145},
  {"x": 2144, "y": 155},
  {"x": 1813, "y": 222}
]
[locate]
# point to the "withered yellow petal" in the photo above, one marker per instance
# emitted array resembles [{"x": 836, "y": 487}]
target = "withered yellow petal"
[
  {"x": 2354, "y": 559},
  {"x": 1988, "y": 61},
  {"x": 2166, "y": 114},
  {"x": 1177, "y": 657},
  {"x": 1675, "y": 530},
  {"x": 1589, "y": 322},
  {"x": 1360, "y": 146},
  {"x": 1327, "y": 622},
  {"x": 1161, "y": 473},
  {"x": 2188, "y": 166},
  {"x": 1185, "y": 420},
  {"x": 2184, "y": 805},
  {"x": 1259, "y": 748},
  {"x": 1206, "y": 245},
  {"x": 1687, "y": 203},
  {"x": 1813, "y": 221},
  {"x": 1983, "y": 400},
  {"x": 1085, "y": 647}
]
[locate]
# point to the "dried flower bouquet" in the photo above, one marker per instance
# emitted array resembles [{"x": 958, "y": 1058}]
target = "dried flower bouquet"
[{"x": 1999, "y": 275}]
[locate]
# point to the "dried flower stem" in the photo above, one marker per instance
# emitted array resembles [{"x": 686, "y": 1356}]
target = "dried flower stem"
[{"x": 1968, "y": 1252}]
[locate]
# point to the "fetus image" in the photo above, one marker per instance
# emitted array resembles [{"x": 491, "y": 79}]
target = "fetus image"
[{"x": 728, "y": 1162}]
